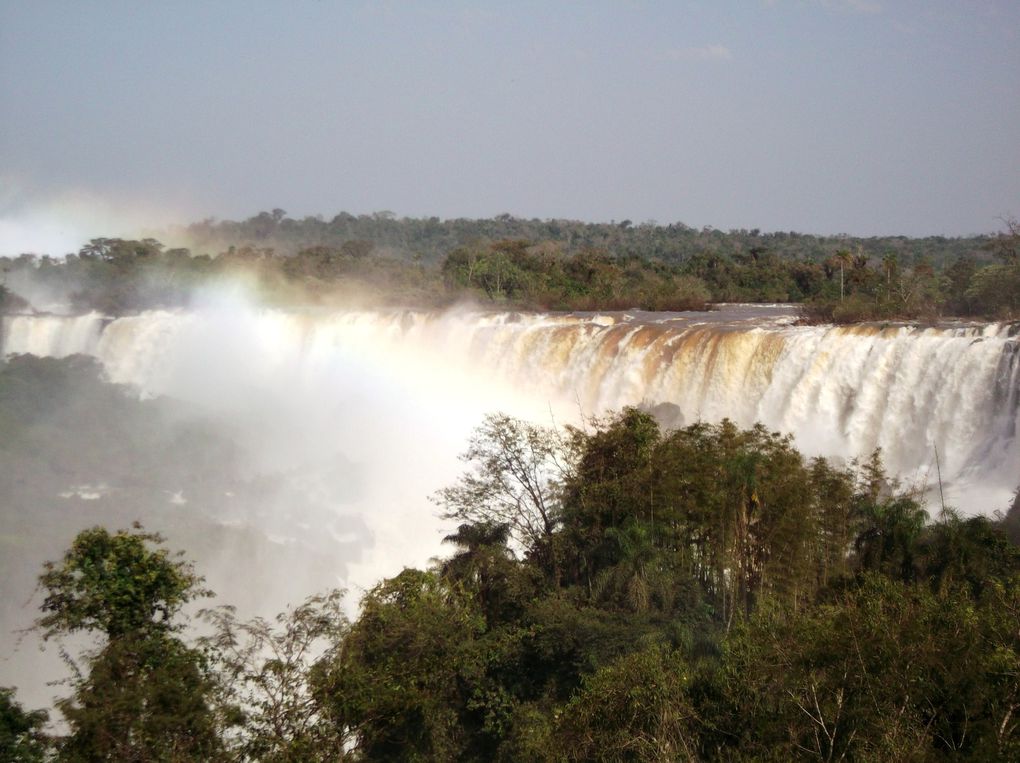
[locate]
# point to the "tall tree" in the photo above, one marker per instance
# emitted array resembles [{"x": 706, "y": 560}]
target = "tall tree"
[
  {"x": 265, "y": 673},
  {"x": 144, "y": 693},
  {"x": 401, "y": 684},
  {"x": 516, "y": 472}
]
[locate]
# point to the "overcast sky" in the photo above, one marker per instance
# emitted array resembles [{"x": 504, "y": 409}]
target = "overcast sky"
[{"x": 857, "y": 116}]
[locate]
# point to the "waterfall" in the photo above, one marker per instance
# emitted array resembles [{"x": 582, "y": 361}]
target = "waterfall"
[{"x": 841, "y": 391}]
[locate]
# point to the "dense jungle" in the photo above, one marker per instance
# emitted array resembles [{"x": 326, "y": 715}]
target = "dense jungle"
[{"x": 532, "y": 264}]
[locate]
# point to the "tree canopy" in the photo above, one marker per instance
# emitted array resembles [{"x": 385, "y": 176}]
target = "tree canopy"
[
  {"x": 549, "y": 265},
  {"x": 116, "y": 584},
  {"x": 615, "y": 592}
]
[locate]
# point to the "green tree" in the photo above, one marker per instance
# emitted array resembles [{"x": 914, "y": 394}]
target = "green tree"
[
  {"x": 21, "y": 731},
  {"x": 146, "y": 698},
  {"x": 485, "y": 566},
  {"x": 116, "y": 584},
  {"x": 11, "y": 302},
  {"x": 884, "y": 671},
  {"x": 635, "y": 709},
  {"x": 514, "y": 481},
  {"x": 969, "y": 552},
  {"x": 887, "y": 541},
  {"x": 401, "y": 684},
  {"x": 264, "y": 675},
  {"x": 144, "y": 695},
  {"x": 1006, "y": 244},
  {"x": 996, "y": 288},
  {"x": 640, "y": 579},
  {"x": 958, "y": 280},
  {"x": 609, "y": 487}
]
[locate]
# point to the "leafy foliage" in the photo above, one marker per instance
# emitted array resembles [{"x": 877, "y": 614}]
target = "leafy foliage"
[
  {"x": 885, "y": 671},
  {"x": 21, "y": 731},
  {"x": 145, "y": 698},
  {"x": 517, "y": 468},
  {"x": 404, "y": 675},
  {"x": 552, "y": 264},
  {"x": 615, "y": 593},
  {"x": 636, "y": 708},
  {"x": 264, "y": 672},
  {"x": 115, "y": 584},
  {"x": 145, "y": 693}
]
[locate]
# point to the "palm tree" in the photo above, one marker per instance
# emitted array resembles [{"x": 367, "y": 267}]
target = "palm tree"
[
  {"x": 638, "y": 577},
  {"x": 888, "y": 541},
  {"x": 482, "y": 561}
]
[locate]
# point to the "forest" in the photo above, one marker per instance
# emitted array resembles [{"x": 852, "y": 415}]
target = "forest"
[
  {"x": 616, "y": 591},
  {"x": 529, "y": 264}
]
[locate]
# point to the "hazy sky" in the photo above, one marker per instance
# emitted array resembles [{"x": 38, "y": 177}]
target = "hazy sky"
[{"x": 857, "y": 116}]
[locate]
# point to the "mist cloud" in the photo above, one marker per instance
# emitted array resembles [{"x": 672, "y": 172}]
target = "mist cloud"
[{"x": 58, "y": 223}]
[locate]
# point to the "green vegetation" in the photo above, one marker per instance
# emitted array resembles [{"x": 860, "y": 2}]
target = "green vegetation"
[
  {"x": 11, "y": 302},
  {"x": 266, "y": 671},
  {"x": 615, "y": 593},
  {"x": 431, "y": 239},
  {"x": 21, "y": 733},
  {"x": 554, "y": 264},
  {"x": 144, "y": 694}
]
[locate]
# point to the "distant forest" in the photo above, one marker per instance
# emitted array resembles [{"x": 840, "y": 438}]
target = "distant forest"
[
  {"x": 536, "y": 264},
  {"x": 431, "y": 239}
]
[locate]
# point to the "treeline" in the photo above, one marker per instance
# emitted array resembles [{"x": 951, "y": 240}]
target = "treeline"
[
  {"x": 550, "y": 265},
  {"x": 116, "y": 276},
  {"x": 889, "y": 290},
  {"x": 615, "y": 593},
  {"x": 431, "y": 239}
]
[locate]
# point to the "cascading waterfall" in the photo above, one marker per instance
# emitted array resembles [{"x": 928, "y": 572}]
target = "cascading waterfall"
[
  {"x": 841, "y": 391},
  {"x": 1007, "y": 389}
]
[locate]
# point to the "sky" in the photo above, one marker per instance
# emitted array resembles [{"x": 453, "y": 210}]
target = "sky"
[{"x": 867, "y": 117}]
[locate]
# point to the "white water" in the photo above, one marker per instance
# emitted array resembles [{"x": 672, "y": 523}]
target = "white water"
[{"x": 398, "y": 392}]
